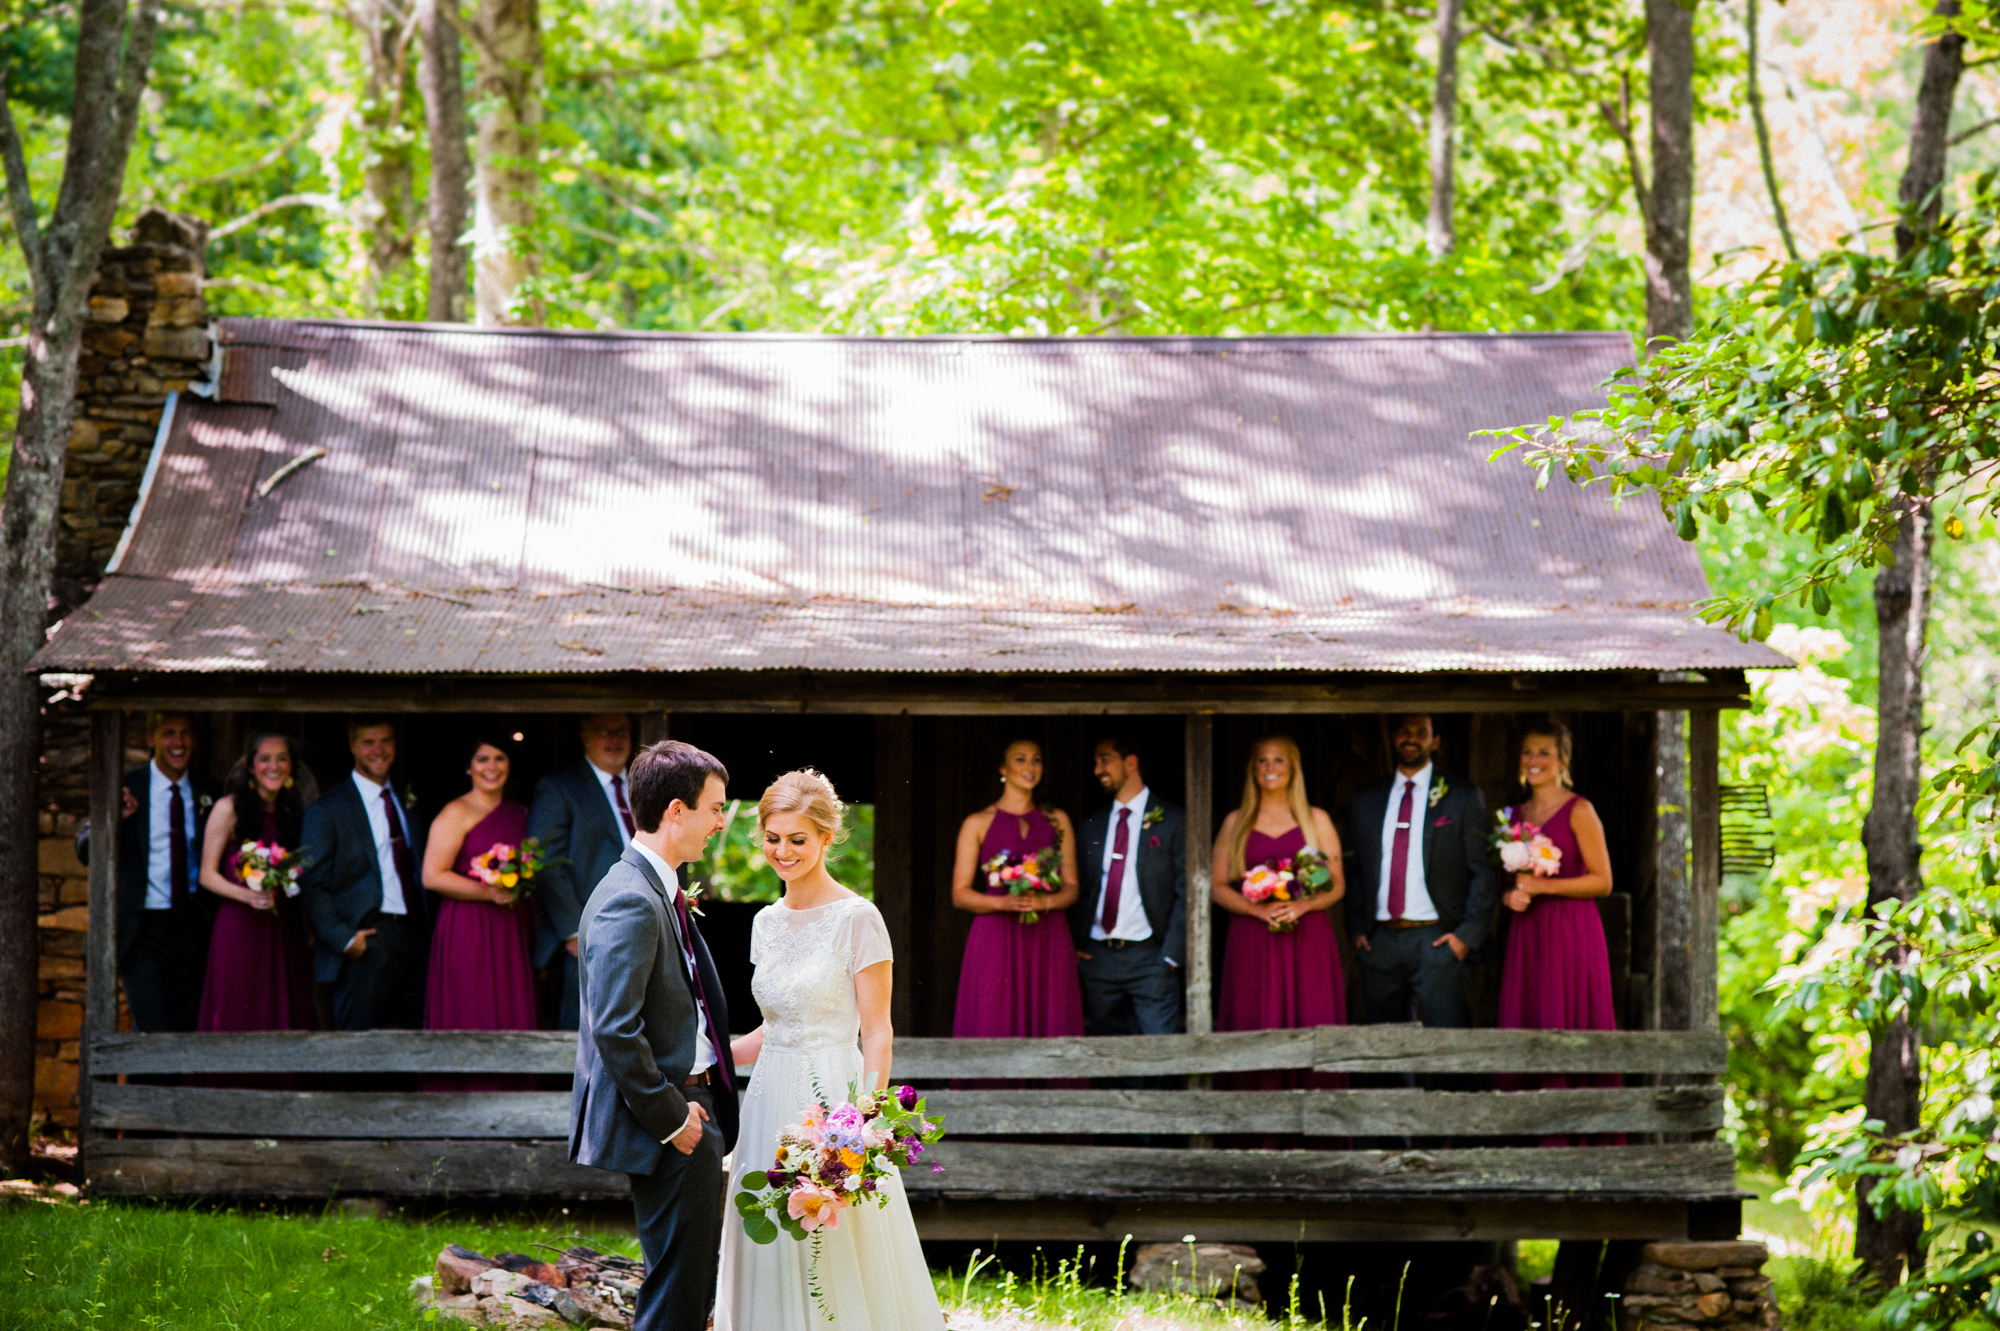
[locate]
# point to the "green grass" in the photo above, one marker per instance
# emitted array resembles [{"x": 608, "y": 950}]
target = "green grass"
[{"x": 1056, "y": 1296}]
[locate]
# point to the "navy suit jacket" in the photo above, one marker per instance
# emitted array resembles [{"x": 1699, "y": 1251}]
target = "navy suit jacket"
[
  {"x": 635, "y": 1039},
  {"x": 342, "y": 878},
  {"x": 135, "y": 844},
  {"x": 1458, "y": 858},
  {"x": 580, "y": 842},
  {"x": 1162, "y": 877}
]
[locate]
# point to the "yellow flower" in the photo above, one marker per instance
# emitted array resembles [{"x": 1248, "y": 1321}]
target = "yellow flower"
[
  {"x": 850, "y": 1159},
  {"x": 509, "y": 879}
]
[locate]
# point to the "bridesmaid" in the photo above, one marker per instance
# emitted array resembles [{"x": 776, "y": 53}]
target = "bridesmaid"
[
  {"x": 1557, "y": 973},
  {"x": 479, "y": 977},
  {"x": 1018, "y": 979},
  {"x": 259, "y": 967},
  {"x": 1274, "y": 980}
]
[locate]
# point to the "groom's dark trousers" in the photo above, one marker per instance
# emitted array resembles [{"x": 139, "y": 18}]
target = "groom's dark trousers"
[{"x": 634, "y": 1049}]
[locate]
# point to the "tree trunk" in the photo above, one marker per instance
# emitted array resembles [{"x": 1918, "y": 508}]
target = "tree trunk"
[
  {"x": 1670, "y": 216},
  {"x": 388, "y": 173},
  {"x": 1440, "y": 227},
  {"x": 442, "y": 81},
  {"x": 111, "y": 67},
  {"x": 1888, "y": 1246},
  {"x": 507, "y": 41},
  {"x": 1753, "y": 83}
]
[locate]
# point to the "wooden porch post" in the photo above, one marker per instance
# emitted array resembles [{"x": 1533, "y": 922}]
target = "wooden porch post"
[
  {"x": 1200, "y": 749},
  {"x": 893, "y": 827},
  {"x": 1704, "y": 868},
  {"x": 1673, "y": 1000},
  {"x": 653, "y": 728},
  {"x": 100, "y": 992}
]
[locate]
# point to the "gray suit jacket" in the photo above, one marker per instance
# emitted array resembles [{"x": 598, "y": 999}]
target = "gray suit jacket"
[{"x": 635, "y": 1041}]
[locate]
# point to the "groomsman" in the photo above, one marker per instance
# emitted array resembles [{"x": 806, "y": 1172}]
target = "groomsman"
[
  {"x": 1421, "y": 898},
  {"x": 362, "y": 891},
  {"x": 163, "y": 917},
  {"x": 1130, "y": 920},
  {"x": 582, "y": 815}
]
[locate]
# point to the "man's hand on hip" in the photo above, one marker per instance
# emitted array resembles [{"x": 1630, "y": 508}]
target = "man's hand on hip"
[
  {"x": 1457, "y": 945},
  {"x": 689, "y": 1136}
]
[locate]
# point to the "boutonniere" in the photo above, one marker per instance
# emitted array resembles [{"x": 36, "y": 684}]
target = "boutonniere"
[
  {"x": 409, "y": 799},
  {"x": 203, "y": 801},
  {"x": 1438, "y": 791},
  {"x": 1154, "y": 817},
  {"x": 694, "y": 898}
]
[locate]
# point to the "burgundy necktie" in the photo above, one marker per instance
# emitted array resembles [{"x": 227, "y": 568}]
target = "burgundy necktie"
[
  {"x": 624, "y": 809},
  {"x": 1399, "y": 852},
  {"x": 399, "y": 848},
  {"x": 1114, "y": 880},
  {"x": 177, "y": 850},
  {"x": 715, "y": 1040}
]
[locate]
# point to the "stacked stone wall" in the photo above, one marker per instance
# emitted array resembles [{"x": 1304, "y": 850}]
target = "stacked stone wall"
[
  {"x": 1718, "y": 1285},
  {"x": 147, "y": 337}
]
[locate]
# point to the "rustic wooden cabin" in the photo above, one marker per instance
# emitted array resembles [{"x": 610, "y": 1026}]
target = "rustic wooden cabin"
[{"x": 889, "y": 557}]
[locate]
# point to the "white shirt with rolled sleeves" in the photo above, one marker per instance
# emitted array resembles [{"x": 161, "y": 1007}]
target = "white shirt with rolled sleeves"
[
  {"x": 1131, "y": 925},
  {"x": 1417, "y": 904},
  {"x": 704, "y": 1052},
  {"x": 159, "y": 848}
]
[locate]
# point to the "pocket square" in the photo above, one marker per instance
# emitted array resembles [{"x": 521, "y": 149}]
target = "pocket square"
[
  {"x": 1442, "y": 822},
  {"x": 1153, "y": 841}
]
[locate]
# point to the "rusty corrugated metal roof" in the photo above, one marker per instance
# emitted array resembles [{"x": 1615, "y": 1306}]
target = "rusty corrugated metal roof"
[{"x": 560, "y": 502}]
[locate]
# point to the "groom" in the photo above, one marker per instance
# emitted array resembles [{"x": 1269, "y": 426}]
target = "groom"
[{"x": 655, "y": 1097}]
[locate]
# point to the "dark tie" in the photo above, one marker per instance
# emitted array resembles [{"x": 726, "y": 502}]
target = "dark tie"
[
  {"x": 177, "y": 850},
  {"x": 1399, "y": 853},
  {"x": 1115, "y": 880},
  {"x": 399, "y": 848},
  {"x": 715, "y": 1040},
  {"x": 624, "y": 809}
]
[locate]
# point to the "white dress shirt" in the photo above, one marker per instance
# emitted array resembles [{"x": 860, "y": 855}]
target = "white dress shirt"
[
  {"x": 385, "y": 853},
  {"x": 1417, "y": 904},
  {"x": 159, "y": 849},
  {"x": 1130, "y": 925},
  {"x": 617, "y": 819},
  {"x": 704, "y": 1052}
]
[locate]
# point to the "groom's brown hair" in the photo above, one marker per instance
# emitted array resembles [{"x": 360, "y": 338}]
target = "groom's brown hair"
[{"x": 669, "y": 771}]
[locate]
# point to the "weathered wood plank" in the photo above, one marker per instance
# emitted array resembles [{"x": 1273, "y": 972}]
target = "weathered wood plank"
[
  {"x": 996, "y": 1170},
  {"x": 1704, "y": 867},
  {"x": 1304, "y": 1220},
  {"x": 1329, "y": 1048},
  {"x": 1395, "y": 1113},
  {"x": 1200, "y": 822},
  {"x": 135, "y": 1167},
  {"x": 339, "y": 1051},
  {"x": 217, "y": 1112},
  {"x": 100, "y": 988}
]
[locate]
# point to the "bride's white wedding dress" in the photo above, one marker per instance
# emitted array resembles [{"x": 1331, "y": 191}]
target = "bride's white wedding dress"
[{"x": 871, "y": 1272}]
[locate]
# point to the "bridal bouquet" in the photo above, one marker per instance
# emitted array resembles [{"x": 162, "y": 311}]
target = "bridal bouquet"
[
  {"x": 510, "y": 867},
  {"x": 1291, "y": 879},
  {"x": 1039, "y": 873},
  {"x": 266, "y": 866},
  {"x": 1523, "y": 848},
  {"x": 831, "y": 1159}
]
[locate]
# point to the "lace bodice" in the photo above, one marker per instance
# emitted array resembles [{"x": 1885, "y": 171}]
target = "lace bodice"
[{"x": 806, "y": 961}]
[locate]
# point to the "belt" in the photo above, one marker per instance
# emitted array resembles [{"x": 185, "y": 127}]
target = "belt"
[
  {"x": 706, "y": 1077},
  {"x": 1116, "y": 943},
  {"x": 1405, "y": 924}
]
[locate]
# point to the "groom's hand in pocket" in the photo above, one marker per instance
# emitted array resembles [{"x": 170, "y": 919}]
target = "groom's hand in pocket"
[{"x": 689, "y": 1136}]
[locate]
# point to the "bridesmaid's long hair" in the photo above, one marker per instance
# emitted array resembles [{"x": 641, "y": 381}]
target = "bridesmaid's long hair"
[
  {"x": 1295, "y": 797},
  {"x": 241, "y": 787}
]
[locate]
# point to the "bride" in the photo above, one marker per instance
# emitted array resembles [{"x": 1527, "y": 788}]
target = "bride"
[{"x": 823, "y": 979}]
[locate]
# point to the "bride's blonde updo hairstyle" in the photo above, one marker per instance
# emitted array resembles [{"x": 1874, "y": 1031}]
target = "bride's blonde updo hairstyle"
[{"x": 808, "y": 794}]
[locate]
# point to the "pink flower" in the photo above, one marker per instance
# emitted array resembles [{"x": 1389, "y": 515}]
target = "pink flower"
[
  {"x": 814, "y": 1207},
  {"x": 1545, "y": 856}
]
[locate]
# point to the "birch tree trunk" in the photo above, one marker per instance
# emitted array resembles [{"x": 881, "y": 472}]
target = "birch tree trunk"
[
  {"x": 507, "y": 42},
  {"x": 388, "y": 173},
  {"x": 114, "y": 52},
  {"x": 1889, "y": 1246},
  {"x": 1670, "y": 210},
  {"x": 441, "y": 79},
  {"x": 1440, "y": 226}
]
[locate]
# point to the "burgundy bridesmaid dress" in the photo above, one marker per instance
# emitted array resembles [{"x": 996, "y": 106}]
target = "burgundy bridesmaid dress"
[
  {"x": 1018, "y": 979},
  {"x": 259, "y": 971},
  {"x": 1557, "y": 974},
  {"x": 480, "y": 979},
  {"x": 1280, "y": 980}
]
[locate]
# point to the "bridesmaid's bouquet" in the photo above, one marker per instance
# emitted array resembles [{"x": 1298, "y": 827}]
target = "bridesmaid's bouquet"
[
  {"x": 1522, "y": 847},
  {"x": 266, "y": 866},
  {"x": 510, "y": 867},
  {"x": 1293, "y": 878},
  {"x": 831, "y": 1159},
  {"x": 1039, "y": 874}
]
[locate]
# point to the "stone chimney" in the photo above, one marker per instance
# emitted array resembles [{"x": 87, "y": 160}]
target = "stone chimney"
[{"x": 148, "y": 337}]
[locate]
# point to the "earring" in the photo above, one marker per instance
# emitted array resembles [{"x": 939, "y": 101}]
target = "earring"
[{"x": 288, "y": 783}]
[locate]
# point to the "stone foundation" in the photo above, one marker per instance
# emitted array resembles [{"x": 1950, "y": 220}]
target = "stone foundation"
[{"x": 1720, "y": 1285}]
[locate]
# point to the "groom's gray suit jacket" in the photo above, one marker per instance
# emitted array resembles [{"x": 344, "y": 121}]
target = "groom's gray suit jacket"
[{"x": 636, "y": 1036}]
